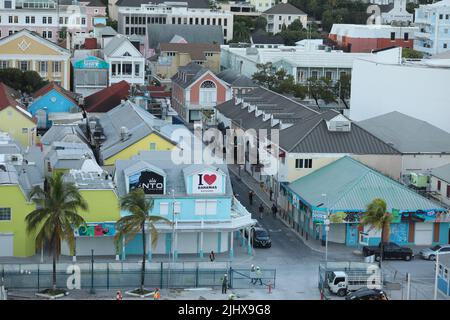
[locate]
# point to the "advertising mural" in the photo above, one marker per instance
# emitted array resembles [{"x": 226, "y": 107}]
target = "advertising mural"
[
  {"x": 96, "y": 230},
  {"x": 207, "y": 182},
  {"x": 151, "y": 182}
]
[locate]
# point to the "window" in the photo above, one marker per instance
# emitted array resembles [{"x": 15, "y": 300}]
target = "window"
[
  {"x": 24, "y": 65},
  {"x": 49, "y": 35},
  {"x": 208, "y": 93},
  {"x": 279, "y": 18},
  {"x": 44, "y": 20},
  {"x": 127, "y": 20},
  {"x": 5, "y": 214},
  {"x": 33, "y": 20},
  {"x": 329, "y": 75},
  {"x": 170, "y": 54},
  {"x": 56, "y": 66},
  {"x": 44, "y": 34},
  {"x": 8, "y": 4},
  {"x": 392, "y": 35},
  {"x": 225, "y": 21},
  {"x": 4, "y": 64},
  {"x": 83, "y": 21},
  {"x": 49, "y": 19},
  {"x": 303, "y": 163},
  {"x": 448, "y": 191},
  {"x": 152, "y": 146},
  {"x": 439, "y": 185},
  {"x": 406, "y": 36},
  {"x": 205, "y": 207},
  {"x": 441, "y": 16},
  {"x": 136, "y": 69},
  {"x": 163, "y": 208},
  {"x": 445, "y": 46},
  {"x": 43, "y": 66},
  {"x": 446, "y": 17},
  {"x": 10, "y": 19},
  {"x": 27, "y": 19}
]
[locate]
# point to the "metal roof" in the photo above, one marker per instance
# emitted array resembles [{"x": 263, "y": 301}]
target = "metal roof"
[
  {"x": 442, "y": 172},
  {"x": 198, "y": 4},
  {"x": 408, "y": 134},
  {"x": 350, "y": 185},
  {"x": 284, "y": 8}
]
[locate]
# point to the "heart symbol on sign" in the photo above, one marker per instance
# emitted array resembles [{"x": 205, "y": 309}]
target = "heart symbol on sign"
[{"x": 209, "y": 178}]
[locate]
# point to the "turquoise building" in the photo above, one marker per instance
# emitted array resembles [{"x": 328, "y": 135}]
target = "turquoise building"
[
  {"x": 90, "y": 75},
  {"x": 197, "y": 198},
  {"x": 342, "y": 190}
]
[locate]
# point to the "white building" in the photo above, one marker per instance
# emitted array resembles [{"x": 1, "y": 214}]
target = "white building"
[
  {"x": 283, "y": 14},
  {"x": 433, "y": 21},
  {"x": 396, "y": 13},
  {"x": 134, "y": 16},
  {"x": 307, "y": 59},
  {"x": 262, "y": 5},
  {"x": 125, "y": 61},
  {"x": 385, "y": 83},
  {"x": 440, "y": 183}
]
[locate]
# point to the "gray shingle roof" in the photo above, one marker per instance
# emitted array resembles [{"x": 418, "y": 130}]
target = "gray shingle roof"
[
  {"x": 284, "y": 8},
  {"x": 159, "y": 33},
  {"x": 442, "y": 172},
  {"x": 70, "y": 133},
  {"x": 408, "y": 134},
  {"x": 115, "y": 43},
  {"x": 193, "y": 71},
  {"x": 308, "y": 131},
  {"x": 235, "y": 79},
  {"x": 137, "y": 3}
]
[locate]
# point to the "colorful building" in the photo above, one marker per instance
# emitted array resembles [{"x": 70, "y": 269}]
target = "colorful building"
[
  {"x": 196, "y": 91},
  {"x": 26, "y": 50},
  {"x": 90, "y": 75},
  {"x": 341, "y": 191},
  {"x": 14, "y": 118},
  {"x": 49, "y": 100}
]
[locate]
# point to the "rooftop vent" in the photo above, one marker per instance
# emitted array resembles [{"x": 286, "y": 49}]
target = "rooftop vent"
[
  {"x": 339, "y": 124},
  {"x": 124, "y": 133}
]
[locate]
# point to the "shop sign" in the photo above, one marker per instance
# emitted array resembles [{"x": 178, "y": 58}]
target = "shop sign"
[
  {"x": 149, "y": 181},
  {"x": 319, "y": 216},
  {"x": 96, "y": 230},
  {"x": 207, "y": 182}
]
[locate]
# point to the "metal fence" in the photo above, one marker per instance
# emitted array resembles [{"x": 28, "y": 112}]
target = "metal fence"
[{"x": 121, "y": 275}]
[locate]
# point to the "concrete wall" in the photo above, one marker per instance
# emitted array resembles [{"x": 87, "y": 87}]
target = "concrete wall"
[{"x": 423, "y": 161}]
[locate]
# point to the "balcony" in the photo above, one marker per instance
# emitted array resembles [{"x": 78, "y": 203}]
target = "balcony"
[{"x": 422, "y": 35}]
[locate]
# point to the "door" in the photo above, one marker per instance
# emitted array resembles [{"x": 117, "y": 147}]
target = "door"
[
  {"x": 423, "y": 233},
  {"x": 6, "y": 244}
]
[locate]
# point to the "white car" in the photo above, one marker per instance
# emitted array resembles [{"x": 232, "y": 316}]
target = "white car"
[{"x": 430, "y": 253}]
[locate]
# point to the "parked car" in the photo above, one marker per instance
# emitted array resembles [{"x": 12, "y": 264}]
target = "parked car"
[
  {"x": 391, "y": 251},
  {"x": 260, "y": 237},
  {"x": 430, "y": 253},
  {"x": 367, "y": 294}
]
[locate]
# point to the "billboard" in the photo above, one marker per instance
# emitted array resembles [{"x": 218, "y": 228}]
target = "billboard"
[
  {"x": 151, "y": 182},
  {"x": 207, "y": 182},
  {"x": 96, "y": 230}
]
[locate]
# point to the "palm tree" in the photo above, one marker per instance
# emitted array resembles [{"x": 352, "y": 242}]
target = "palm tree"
[
  {"x": 377, "y": 216},
  {"x": 139, "y": 206},
  {"x": 56, "y": 215}
]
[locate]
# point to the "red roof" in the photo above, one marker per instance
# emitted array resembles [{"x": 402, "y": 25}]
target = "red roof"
[
  {"x": 53, "y": 86},
  {"x": 90, "y": 43},
  {"x": 108, "y": 98},
  {"x": 8, "y": 98}
]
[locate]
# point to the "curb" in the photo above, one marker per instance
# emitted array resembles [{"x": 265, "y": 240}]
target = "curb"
[{"x": 284, "y": 222}]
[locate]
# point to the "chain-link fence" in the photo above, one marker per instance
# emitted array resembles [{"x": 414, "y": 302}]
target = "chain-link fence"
[{"x": 128, "y": 275}]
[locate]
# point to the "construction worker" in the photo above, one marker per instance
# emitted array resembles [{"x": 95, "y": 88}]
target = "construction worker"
[
  {"x": 156, "y": 294},
  {"x": 224, "y": 283},
  {"x": 258, "y": 276}
]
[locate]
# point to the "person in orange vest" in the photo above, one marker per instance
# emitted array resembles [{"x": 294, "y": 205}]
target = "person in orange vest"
[
  {"x": 119, "y": 295},
  {"x": 157, "y": 294}
]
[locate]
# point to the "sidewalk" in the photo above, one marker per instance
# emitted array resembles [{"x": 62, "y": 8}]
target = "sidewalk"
[{"x": 314, "y": 245}]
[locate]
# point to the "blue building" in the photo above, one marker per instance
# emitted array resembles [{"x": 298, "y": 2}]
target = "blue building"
[
  {"x": 342, "y": 190},
  {"x": 197, "y": 198},
  {"x": 433, "y": 21},
  {"x": 90, "y": 75},
  {"x": 52, "y": 98}
]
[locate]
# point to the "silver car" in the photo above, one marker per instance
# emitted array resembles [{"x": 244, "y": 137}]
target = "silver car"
[{"x": 430, "y": 253}]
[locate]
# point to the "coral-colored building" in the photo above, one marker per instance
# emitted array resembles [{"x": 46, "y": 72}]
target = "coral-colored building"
[
  {"x": 196, "y": 91},
  {"x": 365, "y": 38}
]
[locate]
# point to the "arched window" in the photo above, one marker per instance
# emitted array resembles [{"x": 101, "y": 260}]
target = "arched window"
[{"x": 208, "y": 93}]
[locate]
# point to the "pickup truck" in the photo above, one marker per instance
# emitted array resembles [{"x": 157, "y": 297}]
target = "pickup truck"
[{"x": 391, "y": 251}]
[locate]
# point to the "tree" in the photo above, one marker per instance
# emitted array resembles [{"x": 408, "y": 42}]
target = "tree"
[
  {"x": 139, "y": 207},
  {"x": 408, "y": 53},
  {"x": 241, "y": 32},
  {"x": 296, "y": 25},
  {"x": 276, "y": 80},
  {"x": 321, "y": 89},
  {"x": 25, "y": 81},
  {"x": 111, "y": 23},
  {"x": 377, "y": 217},
  {"x": 343, "y": 87},
  {"x": 56, "y": 216},
  {"x": 260, "y": 23}
]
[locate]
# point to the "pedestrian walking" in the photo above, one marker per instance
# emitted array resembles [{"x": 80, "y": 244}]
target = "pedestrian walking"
[
  {"x": 271, "y": 194},
  {"x": 250, "y": 197},
  {"x": 119, "y": 295},
  {"x": 258, "y": 276},
  {"x": 212, "y": 256},
  {"x": 261, "y": 210},
  {"x": 252, "y": 274},
  {"x": 224, "y": 283},
  {"x": 156, "y": 294},
  {"x": 274, "y": 210}
]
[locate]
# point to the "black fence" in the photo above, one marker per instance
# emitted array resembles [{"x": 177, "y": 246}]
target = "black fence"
[{"x": 111, "y": 277}]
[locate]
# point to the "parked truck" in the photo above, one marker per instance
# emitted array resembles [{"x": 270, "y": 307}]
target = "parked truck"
[
  {"x": 391, "y": 250},
  {"x": 343, "y": 282}
]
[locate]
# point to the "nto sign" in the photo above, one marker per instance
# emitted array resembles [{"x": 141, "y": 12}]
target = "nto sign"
[{"x": 150, "y": 182}]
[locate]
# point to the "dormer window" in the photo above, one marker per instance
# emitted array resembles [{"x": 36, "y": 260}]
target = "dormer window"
[{"x": 339, "y": 123}]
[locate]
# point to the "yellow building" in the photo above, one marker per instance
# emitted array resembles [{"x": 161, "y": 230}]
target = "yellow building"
[
  {"x": 14, "y": 119},
  {"x": 26, "y": 50}
]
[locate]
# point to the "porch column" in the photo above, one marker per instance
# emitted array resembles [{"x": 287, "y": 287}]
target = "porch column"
[
  {"x": 175, "y": 246},
  {"x": 249, "y": 244},
  {"x": 201, "y": 245},
  {"x": 241, "y": 235},
  {"x": 149, "y": 248},
  {"x": 231, "y": 245}
]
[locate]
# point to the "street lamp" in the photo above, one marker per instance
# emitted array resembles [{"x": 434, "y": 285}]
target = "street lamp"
[
  {"x": 327, "y": 228},
  {"x": 436, "y": 274}
]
